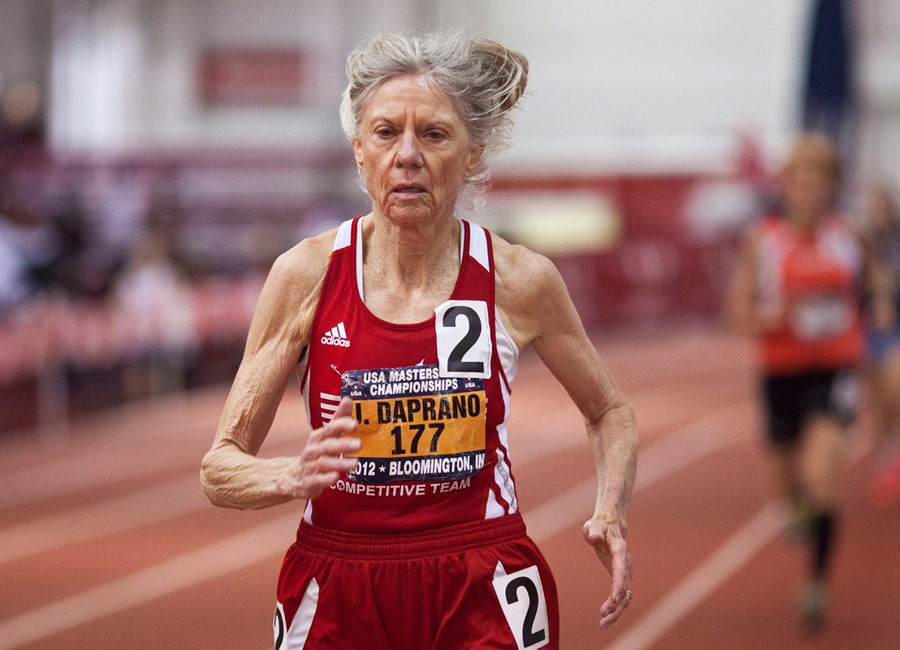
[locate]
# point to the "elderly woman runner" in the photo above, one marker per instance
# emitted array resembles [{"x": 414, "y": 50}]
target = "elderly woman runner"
[
  {"x": 796, "y": 288},
  {"x": 407, "y": 324}
]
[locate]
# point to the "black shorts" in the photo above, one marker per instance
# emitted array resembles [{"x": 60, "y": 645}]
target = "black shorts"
[{"x": 791, "y": 400}]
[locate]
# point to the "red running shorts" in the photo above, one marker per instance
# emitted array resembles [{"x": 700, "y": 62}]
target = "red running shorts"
[{"x": 477, "y": 585}]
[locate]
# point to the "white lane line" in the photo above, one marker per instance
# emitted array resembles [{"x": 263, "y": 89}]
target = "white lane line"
[
  {"x": 181, "y": 572},
  {"x": 183, "y": 495},
  {"x": 102, "y": 519},
  {"x": 59, "y": 478},
  {"x": 119, "y": 460},
  {"x": 739, "y": 549},
  {"x": 659, "y": 460},
  {"x": 66, "y": 476}
]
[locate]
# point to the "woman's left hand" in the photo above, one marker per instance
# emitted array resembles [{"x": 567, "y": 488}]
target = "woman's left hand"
[{"x": 608, "y": 539}]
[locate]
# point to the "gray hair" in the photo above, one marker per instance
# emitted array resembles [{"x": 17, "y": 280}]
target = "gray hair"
[{"x": 485, "y": 77}]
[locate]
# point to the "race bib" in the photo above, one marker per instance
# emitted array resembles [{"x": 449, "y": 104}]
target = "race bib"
[
  {"x": 821, "y": 317},
  {"x": 416, "y": 425}
]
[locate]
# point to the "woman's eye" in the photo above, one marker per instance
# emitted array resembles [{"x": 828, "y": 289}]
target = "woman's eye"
[
  {"x": 384, "y": 132},
  {"x": 435, "y": 135}
]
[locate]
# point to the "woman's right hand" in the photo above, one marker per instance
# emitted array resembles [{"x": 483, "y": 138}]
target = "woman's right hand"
[{"x": 322, "y": 462}]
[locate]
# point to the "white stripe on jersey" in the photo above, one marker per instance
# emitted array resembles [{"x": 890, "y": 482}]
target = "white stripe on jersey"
[
  {"x": 504, "y": 482},
  {"x": 507, "y": 487},
  {"x": 328, "y": 405},
  {"x": 493, "y": 508},
  {"x": 507, "y": 351},
  {"x": 359, "y": 261},
  {"x": 304, "y": 387},
  {"x": 342, "y": 239},
  {"x": 478, "y": 245}
]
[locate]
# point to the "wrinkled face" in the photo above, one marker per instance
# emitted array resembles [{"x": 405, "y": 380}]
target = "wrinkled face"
[
  {"x": 807, "y": 189},
  {"x": 414, "y": 150}
]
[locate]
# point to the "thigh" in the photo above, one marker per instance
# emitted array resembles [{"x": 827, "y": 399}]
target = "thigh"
[{"x": 506, "y": 599}]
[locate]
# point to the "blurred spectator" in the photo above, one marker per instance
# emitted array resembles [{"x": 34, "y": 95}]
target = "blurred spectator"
[
  {"x": 17, "y": 243},
  {"x": 157, "y": 306},
  {"x": 881, "y": 236},
  {"x": 64, "y": 265}
]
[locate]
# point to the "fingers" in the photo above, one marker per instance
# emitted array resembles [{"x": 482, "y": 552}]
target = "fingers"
[
  {"x": 613, "y": 552},
  {"x": 341, "y": 423},
  {"x": 621, "y": 569},
  {"x": 331, "y": 447},
  {"x": 613, "y": 612},
  {"x": 344, "y": 409},
  {"x": 325, "y": 458}
]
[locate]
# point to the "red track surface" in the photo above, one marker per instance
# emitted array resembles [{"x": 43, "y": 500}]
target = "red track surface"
[{"x": 107, "y": 542}]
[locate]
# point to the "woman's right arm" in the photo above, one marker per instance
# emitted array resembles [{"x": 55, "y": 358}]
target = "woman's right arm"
[{"x": 231, "y": 474}]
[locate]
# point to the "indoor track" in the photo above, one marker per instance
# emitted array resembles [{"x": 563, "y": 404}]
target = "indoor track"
[{"x": 107, "y": 542}]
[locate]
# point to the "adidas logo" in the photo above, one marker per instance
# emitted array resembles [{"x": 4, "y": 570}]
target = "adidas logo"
[{"x": 337, "y": 335}]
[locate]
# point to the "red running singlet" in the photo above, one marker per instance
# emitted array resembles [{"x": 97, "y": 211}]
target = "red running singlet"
[
  {"x": 432, "y": 398},
  {"x": 813, "y": 277}
]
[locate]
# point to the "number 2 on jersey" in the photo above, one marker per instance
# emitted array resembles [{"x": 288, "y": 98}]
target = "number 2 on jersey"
[{"x": 463, "y": 330}]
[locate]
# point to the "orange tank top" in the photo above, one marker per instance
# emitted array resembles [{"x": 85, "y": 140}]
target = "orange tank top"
[{"x": 813, "y": 279}]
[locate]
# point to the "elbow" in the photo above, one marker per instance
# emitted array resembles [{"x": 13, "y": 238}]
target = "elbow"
[
  {"x": 618, "y": 416},
  {"x": 210, "y": 479}
]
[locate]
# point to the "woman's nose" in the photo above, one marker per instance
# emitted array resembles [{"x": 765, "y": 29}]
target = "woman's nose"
[{"x": 409, "y": 154}]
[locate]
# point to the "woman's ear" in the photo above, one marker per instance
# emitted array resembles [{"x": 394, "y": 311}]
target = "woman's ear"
[
  {"x": 475, "y": 154},
  {"x": 357, "y": 152}
]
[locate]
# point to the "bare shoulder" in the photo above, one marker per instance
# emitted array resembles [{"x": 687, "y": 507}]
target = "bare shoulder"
[
  {"x": 306, "y": 262},
  {"x": 291, "y": 293},
  {"x": 527, "y": 285},
  {"x": 521, "y": 274}
]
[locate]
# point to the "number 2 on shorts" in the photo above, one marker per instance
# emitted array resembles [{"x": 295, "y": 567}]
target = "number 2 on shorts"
[{"x": 522, "y": 600}]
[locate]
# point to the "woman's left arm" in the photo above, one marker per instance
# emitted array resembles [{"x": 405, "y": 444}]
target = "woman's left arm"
[{"x": 537, "y": 309}]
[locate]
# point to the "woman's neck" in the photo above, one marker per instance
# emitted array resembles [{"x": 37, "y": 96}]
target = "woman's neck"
[{"x": 410, "y": 255}]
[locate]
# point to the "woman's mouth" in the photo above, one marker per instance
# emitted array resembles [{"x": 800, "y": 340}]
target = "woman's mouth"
[{"x": 409, "y": 189}]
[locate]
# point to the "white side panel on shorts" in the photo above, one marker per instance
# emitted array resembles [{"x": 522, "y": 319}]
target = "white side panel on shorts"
[
  {"x": 478, "y": 245},
  {"x": 303, "y": 619},
  {"x": 342, "y": 239},
  {"x": 507, "y": 351}
]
